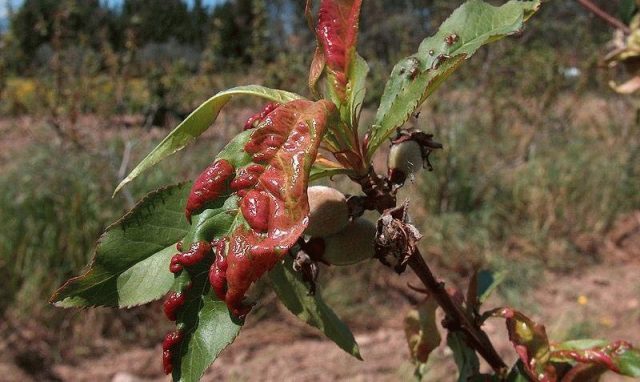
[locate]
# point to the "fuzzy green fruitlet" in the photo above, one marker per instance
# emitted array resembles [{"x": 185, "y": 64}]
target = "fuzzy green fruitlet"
[
  {"x": 328, "y": 211},
  {"x": 351, "y": 245}
]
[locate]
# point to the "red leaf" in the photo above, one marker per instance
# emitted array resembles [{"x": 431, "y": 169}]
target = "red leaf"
[
  {"x": 607, "y": 356},
  {"x": 208, "y": 186},
  {"x": 273, "y": 198},
  {"x": 531, "y": 343},
  {"x": 337, "y": 33}
]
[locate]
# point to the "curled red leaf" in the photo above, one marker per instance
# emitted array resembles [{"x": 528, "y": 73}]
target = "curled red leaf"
[
  {"x": 257, "y": 118},
  {"x": 168, "y": 344},
  {"x": 605, "y": 356},
  {"x": 337, "y": 32},
  {"x": 531, "y": 343},
  {"x": 209, "y": 186},
  {"x": 273, "y": 199},
  {"x": 172, "y": 304},
  {"x": 193, "y": 256}
]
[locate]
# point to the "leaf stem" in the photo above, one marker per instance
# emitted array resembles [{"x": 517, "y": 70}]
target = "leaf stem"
[{"x": 614, "y": 22}]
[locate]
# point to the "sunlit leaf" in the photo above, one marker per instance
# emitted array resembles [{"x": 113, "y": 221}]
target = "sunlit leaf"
[
  {"x": 131, "y": 263},
  {"x": 199, "y": 121},
  {"x": 416, "y": 77}
]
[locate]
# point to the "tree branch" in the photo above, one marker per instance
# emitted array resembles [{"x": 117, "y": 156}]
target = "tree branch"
[
  {"x": 614, "y": 22},
  {"x": 396, "y": 247},
  {"x": 458, "y": 318}
]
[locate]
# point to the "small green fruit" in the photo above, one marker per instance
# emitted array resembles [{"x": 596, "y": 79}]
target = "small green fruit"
[
  {"x": 405, "y": 158},
  {"x": 328, "y": 211},
  {"x": 351, "y": 245}
]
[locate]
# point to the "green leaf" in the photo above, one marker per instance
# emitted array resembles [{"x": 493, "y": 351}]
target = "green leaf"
[
  {"x": 416, "y": 77},
  {"x": 629, "y": 362},
  {"x": 324, "y": 169},
  {"x": 356, "y": 89},
  {"x": 205, "y": 321},
  {"x": 210, "y": 328},
  {"x": 199, "y": 121},
  {"x": 517, "y": 373},
  {"x": 293, "y": 294},
  {"x": 582, "y": 344},
  {"x": 626, "y": 10},
  {"x": 488, "y": 281},
  {"x": 465, "y": 358},
  {"x": 131, "y": 262}
]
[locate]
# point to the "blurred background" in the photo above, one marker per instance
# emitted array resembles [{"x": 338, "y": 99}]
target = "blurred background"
[{"x": 540, "y": 176}]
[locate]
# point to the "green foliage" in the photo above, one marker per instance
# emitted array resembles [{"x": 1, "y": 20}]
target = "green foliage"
[
  {"x": 466, "y": 359},
  {"x": 416, "y": 77},
  {"x": 52, "y": 213},
  {"x": 131, "y": 264},
  {"x": 540, "y": 190},
  {"x": 199, "y": 121},
  {"x": 211, "y": 329},
  {"x": 626, "y": 9},
  {"x": 294, "y": 295}
]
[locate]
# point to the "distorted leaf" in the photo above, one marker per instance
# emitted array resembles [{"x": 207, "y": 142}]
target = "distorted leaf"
[
  {"x": 273, "y": 202},
  {"x": 251, "y": 206},
  {"x": 421, "y": 330},
  {"x": 531, "y": 344},
  {"x": 199, "y": 121},
  {"x": 337, "y": 33},
  {"x": 620, "y": 356}
]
